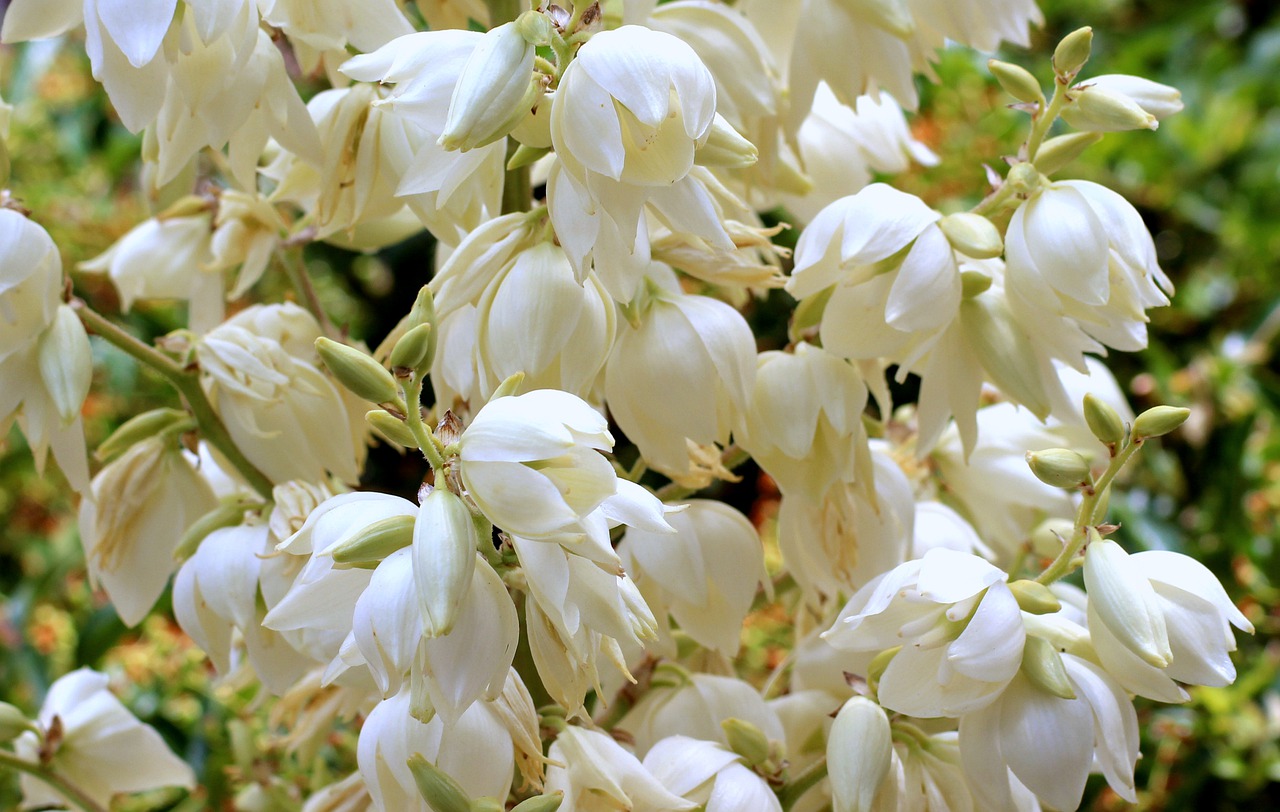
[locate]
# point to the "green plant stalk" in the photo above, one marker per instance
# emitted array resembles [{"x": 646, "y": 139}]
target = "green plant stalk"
[
  {"x": 187, "y": 383},
  {"x": 427, "y": 440},
  {"x": 53, "y": 779},
  {"x": 1045, "y": 118},
  {"x": 791, "y": 792},
  {"x": 1066, "y": 560},
  {"x": 295, "y": 267},
  {"x": 517, "y": 192}
]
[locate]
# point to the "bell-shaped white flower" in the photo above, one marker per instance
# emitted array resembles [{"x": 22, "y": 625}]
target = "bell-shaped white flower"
[
  {"x": 1050, "y": 744},
  {"x": 215, "y": 594},
  {"x": 494, "y": 91},
  {"x": 30, "y": 281},
  {"x": 1157, "y": 99},
  {"x": 1081, "y": 250},
  {"x": 835, "y": 546},
  {"x": 531, "y": 462},
  {"x": 633, "y": 106},
  {"x": 103, "y": 749},
  {"x": 596, "y": 774},
  {"x": 475, "y": 751},
  {"x": 959, "y": 627},
  {"x": 859, "y": 747},
  {"x": 1159, "y": 618},
  {"x": 706, "y": 572},
  {"x": 804, "y": 421},
  {"x": 695, "y": 707},
  {"x": 709, "y": 774},
  {"x": 680, "y": 376},
  {"x": 260, "y": 372},
  {"x": 139, "y": 506}
]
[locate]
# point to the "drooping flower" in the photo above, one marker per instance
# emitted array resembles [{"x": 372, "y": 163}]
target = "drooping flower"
[
  {"x": 102, "y": 750},
  {"x": 599, "y": 775},
  {"x": 710, "y": 775}
]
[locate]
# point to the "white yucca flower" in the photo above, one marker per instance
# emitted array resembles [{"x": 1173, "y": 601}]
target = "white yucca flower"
[
  {"x": 103, "y": 748},
  {"x": 859, "y": 749},
  {"x": 139, "y": 506},
  {"x": 532, "y": 463},
  {"x": 475, "y": 751},
  {"x": 1030, "y": 737},
  {"x": 695, "y": 706},
  {"x": 596, "y": 774},
  {"x": 709, "y": 774},
  {"x": 679, "y": 377},
  {"x": 260, "y": 371},
  {"x": 959, "y": 626},
  {"x": 1159, "y": 618},
  {"x": 706, "y": 573}
]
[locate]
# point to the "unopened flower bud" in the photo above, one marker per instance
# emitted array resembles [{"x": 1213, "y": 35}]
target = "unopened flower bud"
[
  {"x": 1059, "y": 467},
  {"x": 540, "y": 803},
  {"x": 973, "y": 283},
  {"x": 858, "y": 754},
  {"x": 972, "y": 235},
  {"x": 142, "y": 427},
  {"x": 358, "y": 372},
  {"x": 1104, "y": 421},
  {"x": 1005, "y": 350},
  {"x": 1042, "y": 665},
  {"x": 534, "y": 130},
  {"x": 66, "y": 363},
  {"x": 445, "y": 541},
  {"x": 1024, "y": 177},
  {"x": 424, "y": 308},
  {"x": 1125, "y": 602},
  {"x": 491, "y": 91},
  {"x": 391, "y": 427},
  {"x": 438, "y": 788},
  {"x": 746, "y": 740},
  {"x": 415, "y": 350},
  {"x": 13, "y": 722},
  {"x": 535, "y": 27},
  {"x": 374, "y": 542},
  {"x": 1048, "y": 538},
  {"x": 1072, "y": 52},
  {"x": 1017, "y": 81},
  {"x": 1158, "y": 421},
  {"x": 1034, "y": 597},
  {"x": 725, "y": 147},
  {"x": 1094, "y": 109},
  {"x": 488, "y": 805},
  {"x": 1057, "y": 152}
]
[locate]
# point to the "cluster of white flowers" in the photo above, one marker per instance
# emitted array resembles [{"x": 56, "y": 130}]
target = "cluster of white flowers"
[{"x": 594, "y": 181}]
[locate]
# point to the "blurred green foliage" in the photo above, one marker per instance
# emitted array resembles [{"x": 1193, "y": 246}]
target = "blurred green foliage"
[{"x": 1207, "y": 183}]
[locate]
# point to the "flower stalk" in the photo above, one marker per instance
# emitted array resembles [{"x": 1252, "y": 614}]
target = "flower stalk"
[{"x": 53, "y": 779}]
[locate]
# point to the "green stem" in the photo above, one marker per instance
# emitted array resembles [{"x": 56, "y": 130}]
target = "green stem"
[
  {"x": 994, "y": 201},
  {"x": 1045, "y": 118},
  {"x": 295, "y": 267},
  {"x": 427, "y": 440},
  {"x": 187, "y": 383},
  {"x": 802, "y": 783},
  {"x": 1066, "y": 560},
  {"x": 53, "y": 779}
]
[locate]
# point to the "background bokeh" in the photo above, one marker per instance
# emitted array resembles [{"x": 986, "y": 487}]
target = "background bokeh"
[{"x": 1207, "y": 183}]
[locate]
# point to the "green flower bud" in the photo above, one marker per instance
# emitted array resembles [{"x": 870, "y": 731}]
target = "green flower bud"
[
  {"x": 1024, "y": 177},
  {"x": 540, "y": 803},
  {"x": 375, "y": 542},
  {"x": 358, "y": 372},
  {"x": 1057, "y": 152},
  {"x": 1096, "y": 110},
  {"x": 535, "y": 27},
  {"x": 424, "y": 308},
  {"x": 438, "y": 788},
  {"x": 391, "y": 427},
  {"x": 1035, "y": 597},
  {"x": 746, "y": 740},
  {"x": 508, "y": 387},
  {"x": 1104, "y": 421},
  {"x": 487, "y": 805},
  {"x": 13, "y": 722},
  {"x": 972, "y": 235},
  {"x": 974, "y": 283},
  {"x": 1017, "y": 81},
  {"x": 1072, "y": 52},
  {"x": 1059, "y": 467},
  {"x": 66, "y": 363},
  {"x": 725, "y": 147},
  {"x": 1159, "y": 421},
  {"x": 415, "y": 350},
  {"x": 142, "y": 427},
  {"x": 1042, "y": 665}
]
